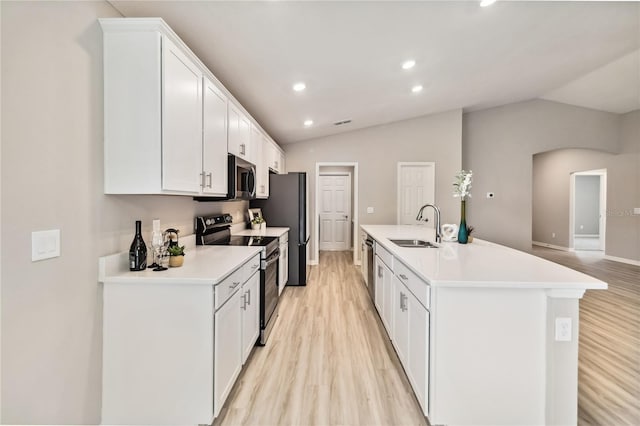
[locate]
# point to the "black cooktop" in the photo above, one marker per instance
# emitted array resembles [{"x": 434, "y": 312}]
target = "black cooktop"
[{"x": 239, "y": 240}]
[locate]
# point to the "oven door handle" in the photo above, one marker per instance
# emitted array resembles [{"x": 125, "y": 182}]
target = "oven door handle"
[{"x": 273, "y": 259}]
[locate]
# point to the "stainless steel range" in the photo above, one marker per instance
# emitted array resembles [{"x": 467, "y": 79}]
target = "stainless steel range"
[{"x": 215, "y": 230}]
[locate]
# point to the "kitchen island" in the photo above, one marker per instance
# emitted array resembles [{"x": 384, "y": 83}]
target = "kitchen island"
[{"x": 486, "y": 334}]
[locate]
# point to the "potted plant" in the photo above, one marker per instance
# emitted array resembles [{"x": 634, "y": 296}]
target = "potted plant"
[
  {"x": 176, "y": 255},
  {"x": 257, "y": 223},
  {"x": 469, "y": 231}
]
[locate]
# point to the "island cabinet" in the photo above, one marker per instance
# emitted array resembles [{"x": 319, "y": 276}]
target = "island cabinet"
[
  {"x": 174, "y": 342},
  {"x": 402, "y": 300}
]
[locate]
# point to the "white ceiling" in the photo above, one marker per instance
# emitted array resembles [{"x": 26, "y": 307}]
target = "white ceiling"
[{"x": 349, "y": 55}]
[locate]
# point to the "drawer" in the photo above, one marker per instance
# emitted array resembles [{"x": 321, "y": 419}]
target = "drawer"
[
  {"x": 228, "y": 287},
  {"x": 420, "y": 289},
  {"x": 249, "y": 268},
  {"x": 384, "y": 255}
]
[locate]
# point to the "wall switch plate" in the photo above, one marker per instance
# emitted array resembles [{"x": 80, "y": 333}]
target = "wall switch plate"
[
  {"x": 636, "y": 210},
  {"x": 563, "y": 329},
  {"x": 45, "y": 244},
  {"x": 490, "y": 195},
  {"x": 369, "y": 210},
  {"x": 553, "y": 235}
]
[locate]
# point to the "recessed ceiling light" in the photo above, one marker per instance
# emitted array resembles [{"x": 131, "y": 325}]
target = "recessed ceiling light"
[
  {"x": 308, "y": 123},
  {"x": 485, "y": 3},
  {"x": 408, "y": 64},
  {"x": 416, "y": 89},
  {"x": 299, "y": 87}
]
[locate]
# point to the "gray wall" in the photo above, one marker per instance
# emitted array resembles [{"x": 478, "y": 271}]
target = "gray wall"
[
  {"x": 377, "y": 150},
  {"x": 52, "y": 178},
  {"x": 551, "y": 192},
  {"x": 587, "y": 205},
  {"x": 498, "y": 145}
]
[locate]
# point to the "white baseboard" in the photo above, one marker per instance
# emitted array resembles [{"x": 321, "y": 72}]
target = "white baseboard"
[
  {"x": 622, "y": 260},
  {"x": 551, "y": 246},
  {"x": 312, "y": 262}
]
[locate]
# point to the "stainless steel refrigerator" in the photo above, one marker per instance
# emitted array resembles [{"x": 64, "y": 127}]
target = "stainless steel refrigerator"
[{"x": 288, "y": 206}]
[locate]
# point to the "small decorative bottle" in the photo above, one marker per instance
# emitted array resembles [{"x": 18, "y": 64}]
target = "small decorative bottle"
[{"x": 138, "y": 251}]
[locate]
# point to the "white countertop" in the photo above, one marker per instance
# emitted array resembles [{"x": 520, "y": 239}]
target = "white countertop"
[
  {"x": 478, "y": 264},
  {"x": 267, "y": 232},
  {"x": 202, "y": 265}
]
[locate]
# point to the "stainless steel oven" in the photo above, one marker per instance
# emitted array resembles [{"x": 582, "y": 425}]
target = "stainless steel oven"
[{"x": 215, "y": 230}]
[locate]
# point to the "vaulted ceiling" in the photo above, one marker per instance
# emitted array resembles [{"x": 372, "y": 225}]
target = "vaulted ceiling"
[{"x": 349, "y": 55}]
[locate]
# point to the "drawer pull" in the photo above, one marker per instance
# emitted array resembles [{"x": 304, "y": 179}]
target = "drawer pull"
[
  {"x": 404, "y": 277},
  {"x": 234, "y": 285},
  {"x": 380, "y": 271}
]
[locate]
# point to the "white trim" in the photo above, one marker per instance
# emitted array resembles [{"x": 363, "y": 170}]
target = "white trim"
[
  {"x": 565, "y": 293},
  {"x": 603, "y": 205},
  {"x": 399, "y": 167},
  {"x": 352, "y": 229},
  {"x": 622, "y": 260},
  {"x": 551, "y": 246},
  {"x": 355, "y": 209}
]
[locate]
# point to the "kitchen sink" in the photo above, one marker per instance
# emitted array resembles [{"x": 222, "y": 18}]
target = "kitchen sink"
[{"x": 414, "y": 243}]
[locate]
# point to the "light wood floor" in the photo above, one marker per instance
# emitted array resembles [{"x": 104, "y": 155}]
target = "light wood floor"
[
  {"x": 327, "y": 362},
  {"x": 609, "y": 345}
]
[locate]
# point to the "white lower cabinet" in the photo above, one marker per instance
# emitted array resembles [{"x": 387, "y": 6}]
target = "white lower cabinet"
[
  {"x": 384, "y": 291},
  {"x": 228, "y": 348},
  {"x": 250, "y": 315},
  {"x": 172, "y": 350},
  {"x": 283, "y": 264},
  {"x": 237, "y": 325},
  {"x": 418, "y": 352}
]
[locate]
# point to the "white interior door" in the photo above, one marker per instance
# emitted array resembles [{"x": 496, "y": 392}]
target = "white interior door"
[
  {"x": 416, "y": 187},
  {"x": 335, "y": 212}
]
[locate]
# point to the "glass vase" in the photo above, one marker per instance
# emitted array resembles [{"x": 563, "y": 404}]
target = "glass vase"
[{"x": 463, "y": 235}]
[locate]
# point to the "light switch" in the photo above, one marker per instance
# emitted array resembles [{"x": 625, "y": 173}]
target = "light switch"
[
  {"x": 636, "y": 210},
  {"x": 369, "y": 210},
  {"x": 45, "y": 244}
]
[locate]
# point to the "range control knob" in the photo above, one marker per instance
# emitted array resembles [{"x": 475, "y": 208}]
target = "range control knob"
[{"x": 207, "y": 222}]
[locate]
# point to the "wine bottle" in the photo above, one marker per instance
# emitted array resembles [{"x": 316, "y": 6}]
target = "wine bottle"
[{"x": 138, "y": 251}]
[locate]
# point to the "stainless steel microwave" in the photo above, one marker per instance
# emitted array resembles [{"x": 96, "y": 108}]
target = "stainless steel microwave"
[{"x": 241, "y": 181}]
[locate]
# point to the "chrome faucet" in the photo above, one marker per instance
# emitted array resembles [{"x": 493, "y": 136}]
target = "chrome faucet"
[{"x": 438, "y": 229}]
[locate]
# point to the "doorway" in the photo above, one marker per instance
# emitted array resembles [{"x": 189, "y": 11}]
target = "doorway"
[
  {"x": 328, "y": 168},
  {"x": 587, "y": 224},
  {"x": 335, "y": 211},
  {"x": 416, "y": 187}
]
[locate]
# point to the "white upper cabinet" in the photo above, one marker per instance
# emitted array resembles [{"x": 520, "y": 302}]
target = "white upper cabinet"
[
  {"x": 181, "y": 121},
  {"x": 168, "y": 122},
  {"x": 258, "y": 146},
  {"x": 239, "y": 133},
  {"x": 214, "y": 142}
]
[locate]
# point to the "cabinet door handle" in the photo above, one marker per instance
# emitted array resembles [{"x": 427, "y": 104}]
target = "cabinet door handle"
[
  {"x": 210, "y": 177},
  {"x": 244, "y": 302},
  {"x": 380, "y": 271},
  {"x": 249, "y": 297},
  {"x": 276, "y": 164},
  {"x": 403, "y": 277},
  {"x": 241, "y": 149}
]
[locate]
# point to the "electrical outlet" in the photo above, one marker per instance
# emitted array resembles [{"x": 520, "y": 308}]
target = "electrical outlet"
[
  {"x": 369, "y": 210},
  {"x": 563, "y": 329},
  {"x": 553, "y": 235},
  {"x": 636, "y": 210}
]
